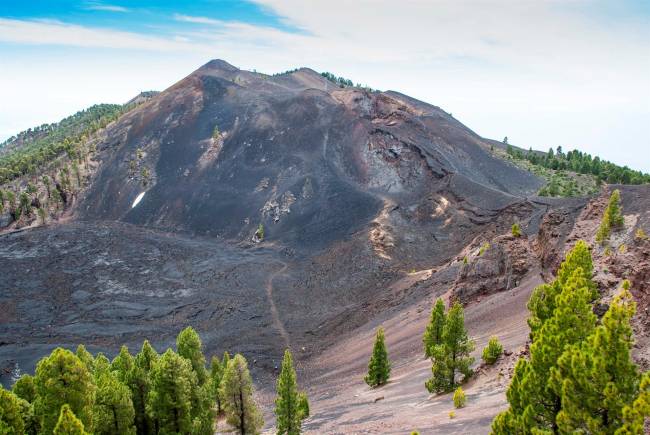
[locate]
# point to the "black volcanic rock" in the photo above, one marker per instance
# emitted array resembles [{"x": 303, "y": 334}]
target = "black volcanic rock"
[
  {"x": 310, "y": 161},
  {"x": 352, "y": 187}
]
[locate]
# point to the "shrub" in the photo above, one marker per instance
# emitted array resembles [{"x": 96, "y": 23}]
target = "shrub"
[
  {"x": 260, "y": 232},
  {"x": 612, "y": 218},
  {"x": 484, "y": 248},
  {"x": 492, "y": 351},
  {"x": 640, "y": 234},
  {"x": 622, "y": 248},
  {"x": 459, "y": 398},
  {"x": 516, "y": 230},
  {"x": 452, "y": 414},
  {"x": 465, "y": 261},
  {"x": 303, "y": 405}
]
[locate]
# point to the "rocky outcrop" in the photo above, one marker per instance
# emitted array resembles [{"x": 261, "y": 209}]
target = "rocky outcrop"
[{"x": 494, "y": 266}]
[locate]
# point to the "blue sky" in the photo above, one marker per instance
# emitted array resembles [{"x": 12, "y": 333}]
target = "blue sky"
[{"x": 544, "y": 73}]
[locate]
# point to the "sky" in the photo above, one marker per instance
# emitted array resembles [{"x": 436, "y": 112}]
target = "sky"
[{"x": 574, "y": 73}]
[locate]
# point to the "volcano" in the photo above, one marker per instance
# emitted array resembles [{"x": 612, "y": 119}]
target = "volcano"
[{"x": 287, "y": 211}]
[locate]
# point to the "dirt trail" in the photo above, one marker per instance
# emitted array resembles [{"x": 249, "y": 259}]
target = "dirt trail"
[{"x": 277, "y": 323}]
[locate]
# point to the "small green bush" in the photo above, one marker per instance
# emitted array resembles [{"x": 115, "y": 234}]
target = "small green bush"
[
  {"x": 516, "y": 230},
  {"x": 260, "y": 232},
  {"x": 492, "y": 351},
  {"x": 303, "y": 405},
  {"x": 640, "y": 234},
  {"x": 459, "y": 398},
  {"x": 484, "y": 248}
]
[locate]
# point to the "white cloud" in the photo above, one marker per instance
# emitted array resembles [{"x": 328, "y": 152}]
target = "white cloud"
[
  {"x": 95, "y": 6},
  {"x": 196, "y": 20},
  {"x": 48, "y": 32}
]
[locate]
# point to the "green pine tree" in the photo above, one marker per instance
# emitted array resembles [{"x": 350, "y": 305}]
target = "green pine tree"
[
  {"x": 533, "y": 404},
  {"x": 140, "y": 384},
  {"x": 612, "y": 218},
  {"x": 169, "y": 401},
  {"x": 492, "y": 351},
  {"x": 85, "y": 357},
  {"x": 25, "y": 388},
  {"x": 636, "y": 413},
  {"x": 68, "y": 423},
  {"x": 287, "y": 408},
  {"x": 32, "y": 425},
  {"x": 240, "y": 408},
  {"x": 122, "y": 364},
  {"x": 11, "y": 417},
  {"x": 379, "y": 365},
  {"x": 216, "y": 373},
  {"x": 101, "y": 365},
  {"x": 62, "y": 378},
  {"x": 542, "y": 302},
  {"x": 597, "y": 378},
  {"x": 113, "y": 411},
  {"x": 452, "y": 355},
  {"x": 433, "y": 332},
  {"x": 303, "y": 405},
  {"x": 189, "y": 346}
]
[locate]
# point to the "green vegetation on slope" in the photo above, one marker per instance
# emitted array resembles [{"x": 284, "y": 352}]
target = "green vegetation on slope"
[
  {"x": 343, "y": 82},
  {"x": 29, "y": 151},
  {"x": 573, "y": 173}
]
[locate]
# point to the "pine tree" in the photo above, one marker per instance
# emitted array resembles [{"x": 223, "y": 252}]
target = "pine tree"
[
  {"x": 190, "y": 347},
  {"x": 636, "y": 413},
  {"x": 62, "y": 378},
  {"x": 533, "y": 404},
  {"x": 101, "y": 365},
  {"x": 597, "y": 378},
  {"x": 85, "y": 357},
  {"x": 542, "y": 302},
  {"x": 11, "y": 418},
  {"x": 170, "y": 399},
  {"x": 492, "y": 351},
  {"x": 122, "y": 364},
  {"x": 287, "y": 408},
  {"x": 452, "y": 356},
  {"x": 237, "y": 391},
  {"x": 216, "y": 373},
  {"x": 113, "y": 412},
  {"x": 612, "y": 218},
  {"x": 140, "y": 384},
  {"x": 459, "y": 398},
  {"x": 379, "y": 365},
  {"x": 25, "y": 388},
  {"x": 68, "y": 423},
  {"x": 32, "y": 425},
  {"x": 303, "y": 405},
  {"x": 615, "y": 210},
  {"x": 433, "y": 332}
]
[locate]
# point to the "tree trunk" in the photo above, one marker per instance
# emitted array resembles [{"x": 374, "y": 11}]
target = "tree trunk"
[{"x": 242, "y": 424}]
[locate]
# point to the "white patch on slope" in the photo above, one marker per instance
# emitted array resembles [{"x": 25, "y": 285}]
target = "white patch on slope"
[{"x": 138, "y": 199}]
